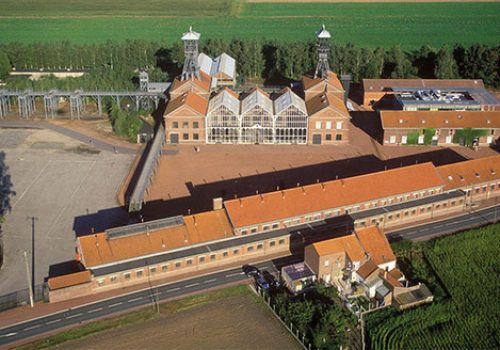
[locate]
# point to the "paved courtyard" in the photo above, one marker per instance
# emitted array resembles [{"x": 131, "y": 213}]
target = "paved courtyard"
[{"x": 63, "y": 188}]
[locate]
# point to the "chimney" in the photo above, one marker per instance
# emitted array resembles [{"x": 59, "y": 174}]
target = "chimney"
[
  {"x": 303, "y": 191},
  {"x": 241, "y": 203},
  {"x": 261, "y": 199},
  {"x": 323, "y": 186},
  {"x": 194, "y": 220},
  {"x": 345, "y": 79},
  {"x": 217, "y": 203}
]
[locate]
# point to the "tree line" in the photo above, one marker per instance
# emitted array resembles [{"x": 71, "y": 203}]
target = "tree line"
[{"x": 115, "y": 65}]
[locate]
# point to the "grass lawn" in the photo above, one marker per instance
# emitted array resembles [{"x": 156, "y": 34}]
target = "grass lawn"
[
  {"x": 365, "y": 24},
  {"x": 467, "y": 265}
]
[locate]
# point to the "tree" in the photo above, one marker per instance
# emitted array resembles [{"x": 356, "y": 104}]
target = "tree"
[
  {"x": 6, "y": 191},
  {"x": 446, "y": 67},
  {"x": 4, "y": 65},
  {"x": 424, "y": 60},
  {"x": 397, "y": 65},
  {"x": 301, "y": 313}
]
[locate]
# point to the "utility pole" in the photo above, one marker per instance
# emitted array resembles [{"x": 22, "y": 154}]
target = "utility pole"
[{"x": 28, "y": 275}]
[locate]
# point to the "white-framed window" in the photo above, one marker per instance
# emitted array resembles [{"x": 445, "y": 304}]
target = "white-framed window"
[
  {"x": 327, "y": 263},
  {"x": 318, "y": 125},
  {"x": 421, "y": 139},
  {"x": 328, "y": 125},
  {"x": 275, "y": 226},
  {"x": 100, "y": 281},
  {"x": 339, "y": 125},
  {"x": 126, "y": 275},
  {"x": 392, "y": 139},
  {"x": 489, "y": 139},
  {"x": 404, "y": 139},
  {"x": 112, "y": 279},
  {"x": 265, "y": 228}
]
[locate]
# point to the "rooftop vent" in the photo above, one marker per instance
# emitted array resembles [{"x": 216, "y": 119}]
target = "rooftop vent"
[
  {"x": 446, "y": 121},
  {"x": 461, "y": 178},
  {"x": 492, "y": 171},
  {"x": 478, "y": 175},
  {"x": 423, "y": 121},
  {"x": 450, "y": 177},
  {"x": 459, "y": 116},
  {"x": 144, "y": 227}
]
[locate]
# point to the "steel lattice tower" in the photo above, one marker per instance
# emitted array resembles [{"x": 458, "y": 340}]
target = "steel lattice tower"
[
  {"x": 191, "y": 69},
  {"x": 323, "y": 47}
]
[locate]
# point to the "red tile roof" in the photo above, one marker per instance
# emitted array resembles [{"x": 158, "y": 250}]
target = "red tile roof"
[
  {"x": 440, "y": 119},
  {"x": 203, "y": 83},
  {"x": 377, "y": 85},
  {"x": 299, "y": 201},
  {"x": 309, "y": 82},
  {"x": 470, "y": 172},
  {"x": 346, "y": 244},
  {"x": 377, "y": 246},
  {"x": 328, "y": 100},
  {"x": 209, "y": 226},
  {"x": 196, "y": 102},
  {"x": 69, "y": 280}
]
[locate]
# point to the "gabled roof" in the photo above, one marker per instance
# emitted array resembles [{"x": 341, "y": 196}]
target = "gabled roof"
[
  {"x": 375, "y": 243},
  {"x": 470, "y": 172},
  {"x": 205, "y": 63},
  {"x": 98, "y": 249},
  {"x": 226, "y": 97},
  {"x": 196, "y": 102},
  {"x": 299, "y": 201},
  {"x": 326, "y": 100},
  {"x": 203, "y": 83},
  {"x": 346, "y": 244},
  {"x": 332, "y": 80},
  {"x": 440, "y": 119},
  {"x": 378, "y": 85},
  {"x": 257, "y": 97},
  {"x": 367, "y": 269},
  {"x": 323, "y": 33},
  {"x": 286, "y": 99},
  {"x": 224, "y": 64},
  {"x": 69, "y": 280}
]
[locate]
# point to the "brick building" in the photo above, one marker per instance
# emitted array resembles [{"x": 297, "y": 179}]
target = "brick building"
[
  {"x": 328, "y": 121},
  {"x": 185, "y": 119},
  {"x": 428, "y": 94},
  {"x": 261, "y": 226},
  {"x": 440, "y": 128}
]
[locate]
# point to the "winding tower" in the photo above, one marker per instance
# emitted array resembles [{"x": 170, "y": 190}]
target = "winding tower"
[
  {"x": 323, "y": 48},
  {"x": 191, "y": 69}
]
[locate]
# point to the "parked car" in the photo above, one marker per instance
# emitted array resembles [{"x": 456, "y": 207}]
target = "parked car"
[
  {"x": 250, "y": 271},
  {"x": 261, "y": 282}
]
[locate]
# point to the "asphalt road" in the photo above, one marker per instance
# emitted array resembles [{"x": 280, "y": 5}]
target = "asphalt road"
[
  {"x": 103, "y": 146},
  {"x": 150, "y": 296}
]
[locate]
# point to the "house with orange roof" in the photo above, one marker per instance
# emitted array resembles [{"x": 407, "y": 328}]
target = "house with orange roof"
[
  {"x": 480, "y": 128},
  {"x": 185, "y": 119},
  {"x": 365, "y": 251}
]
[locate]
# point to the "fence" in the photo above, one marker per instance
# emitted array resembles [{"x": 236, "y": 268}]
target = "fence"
[
  {"x": 294, "y": 331},
  {"x": 22, "y": 297},
  {"x": 149, "y": 167}
]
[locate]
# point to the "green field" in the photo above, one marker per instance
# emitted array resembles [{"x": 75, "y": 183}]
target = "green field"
[
  {"x": 365, "y": 24},
  {"x": 467, "y": 265}
]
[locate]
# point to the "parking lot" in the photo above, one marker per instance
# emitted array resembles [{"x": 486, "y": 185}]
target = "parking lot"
[{"x": 62, "y": 188}]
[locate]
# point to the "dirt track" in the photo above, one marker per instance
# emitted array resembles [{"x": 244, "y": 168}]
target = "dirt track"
[{"x": 233, "y": 323}]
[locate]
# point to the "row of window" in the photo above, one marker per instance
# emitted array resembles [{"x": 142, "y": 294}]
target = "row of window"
[
  {"x": 189, "y": 262},
  {"x": 327, "y": 214},
  {"x": 328, "y": 125},
  {"x": 185, "y": 125},
  {"x": 411, "y": 212}
]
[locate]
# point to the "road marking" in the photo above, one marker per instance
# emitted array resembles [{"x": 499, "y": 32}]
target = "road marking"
[
  {"x": 135, "y": 299},
  {"x": 172, "y": 290},
  {"x": 212, "y": 280},
  {"x": 234, "y": 274},
  {"x": 191, "y": 285},
  {"x": 31, "y": 184},
  {"x": 53, "y": 321},
  {"x": 8, "y": 335},
  {"x": 116, "y": 304},
  {"x": 73, "y": 316},
  {"x": 30, "y": 328},
  {"x": 94, "y": 310}
]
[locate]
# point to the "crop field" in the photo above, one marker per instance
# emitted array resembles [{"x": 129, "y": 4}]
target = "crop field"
[
  {"x": 468, "y": 266},
  {"x": 365, "y": 24}
]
